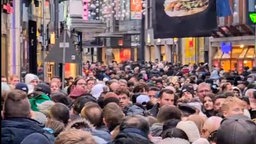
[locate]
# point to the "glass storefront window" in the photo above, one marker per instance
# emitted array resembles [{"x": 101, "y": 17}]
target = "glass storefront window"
[
  {"x": 242, "y": 55},
  {"x": 236, "y": 52},
  {"x": 226, "y": 56},
  {"x": 250, "y": 53},
  {"x": 152, "y": 53},
  {"x": 163, "y": 53},
  {"x": 218, "y": 55}
]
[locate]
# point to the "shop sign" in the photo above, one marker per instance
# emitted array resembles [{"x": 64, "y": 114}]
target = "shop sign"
[
  {"x": 252, "y": 16},
  {"x": 184, "y": 18},
  {"x": 136, "y": 9},
  {"x": 226, "y": 47}
]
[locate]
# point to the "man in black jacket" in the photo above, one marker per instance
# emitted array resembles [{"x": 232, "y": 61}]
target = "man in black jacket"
[{"x": 17, "y": 123}]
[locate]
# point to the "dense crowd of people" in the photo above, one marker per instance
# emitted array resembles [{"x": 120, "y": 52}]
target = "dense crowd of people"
[{"x": 132, "y": 103}]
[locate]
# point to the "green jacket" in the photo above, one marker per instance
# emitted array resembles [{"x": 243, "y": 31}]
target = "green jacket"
[{"x": 38, "y": 99}]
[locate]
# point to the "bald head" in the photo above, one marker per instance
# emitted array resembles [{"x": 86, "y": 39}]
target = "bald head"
[
  {"x": 114, "y": 86},
  {"x": 210, "y": 125}
]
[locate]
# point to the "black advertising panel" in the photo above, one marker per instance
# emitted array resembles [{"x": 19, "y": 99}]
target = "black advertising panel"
[
  {"x": 32, "y": 47},
  {"x": 119, "y": 42},
  {"x": 184, "y": 18}
]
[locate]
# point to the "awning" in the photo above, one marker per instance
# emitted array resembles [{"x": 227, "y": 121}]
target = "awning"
[{"x": 233, "y": 31}]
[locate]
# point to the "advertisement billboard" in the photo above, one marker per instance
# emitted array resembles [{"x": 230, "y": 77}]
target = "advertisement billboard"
[{"x": 184, "y": 18}]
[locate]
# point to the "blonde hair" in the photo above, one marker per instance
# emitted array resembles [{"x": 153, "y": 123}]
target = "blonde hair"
[
  {"x": 74, "y": 136},
  {"x": 230, "y": 101}
]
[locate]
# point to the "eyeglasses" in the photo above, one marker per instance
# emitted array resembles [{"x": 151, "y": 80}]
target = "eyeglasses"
[{"x": 212, "y": 136}]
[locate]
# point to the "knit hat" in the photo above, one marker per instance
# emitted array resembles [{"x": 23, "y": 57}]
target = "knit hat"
[
  {"x": 45, "y": 88},
  {"x": 173, "y": 141},
  {"x": 29, "y": 77},
  {"x": 187, "y": 109},
  {"x": 237, "y": 129},
  {"x": 35, "y": 138},
  {"x": 188, "y": 88},
  {"x": 22, "y": 86},
  {"x": 142, "y": 99},
  {"x": 77, "y": 92},
  {"x": 190, "y": 128}
]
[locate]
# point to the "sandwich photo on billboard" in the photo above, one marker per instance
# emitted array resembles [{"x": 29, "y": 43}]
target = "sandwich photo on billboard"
[{"x": 178, "y": 8}]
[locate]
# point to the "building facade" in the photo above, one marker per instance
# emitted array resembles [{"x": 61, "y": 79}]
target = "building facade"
[{"x": 232, "y": 46}]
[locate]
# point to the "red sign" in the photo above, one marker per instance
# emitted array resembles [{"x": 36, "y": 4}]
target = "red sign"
[{"x": 8, "y": 8}]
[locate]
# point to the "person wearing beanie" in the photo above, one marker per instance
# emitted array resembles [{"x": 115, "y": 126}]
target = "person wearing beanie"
[
  {"x": 78, "y": 88},
  {"x": 31, "y": 80},
  {"x": 187, "y": 92},
  {"x": 190, "y": 128},
  {"x": 43, "y": 87}
]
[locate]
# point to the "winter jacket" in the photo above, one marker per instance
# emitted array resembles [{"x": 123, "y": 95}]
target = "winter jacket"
[
  {"x": 102, "y": 133},
  {"x": 14, "y": 130},
  {"x": 135, "y": 110},
  {"x": 38, "y": 99},
  {"x": 156, "y": 129},
  {"x": 154, "y": 110}
]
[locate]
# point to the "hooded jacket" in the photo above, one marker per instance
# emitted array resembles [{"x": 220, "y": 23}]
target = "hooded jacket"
[{"x": 36, "y": 99}]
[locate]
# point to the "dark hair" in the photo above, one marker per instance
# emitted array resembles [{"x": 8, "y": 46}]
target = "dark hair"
[
  {"x": 228, "y": 94},
  {"x": 61, "y": 98},
  {"x": 16, "y": 104},
  {"x": 153, "y": 88},
  {"x": 219, "y": 96},
  {"x": 77, "y": 79},
  {"x": 136, "y": 121},
  {"x": 60, "y": 112},
  {"x": 246, "y": 99},
  {"x": 141, "y": 87},
  {"x": 174, "y": 133},
  {"x": 171, "y": 123},
  {"x": 109, "y": 100},
  {"x": 81, "y": 101},
  {"x": 57, "y": 77},
  {"x": 123, "y": 91},
  {"x": 168, "y": 91},
  {"x": 167, "y": 112}
]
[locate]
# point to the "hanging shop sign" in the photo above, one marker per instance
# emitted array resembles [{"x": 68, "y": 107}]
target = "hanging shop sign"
[{"x": 136, "y": 9}]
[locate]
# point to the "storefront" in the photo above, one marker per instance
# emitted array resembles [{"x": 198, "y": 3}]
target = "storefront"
[
  {"x": 161, "y": 49},
  {"x": 236, "y": 56},
  {"x": 193, "y": 50}
]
